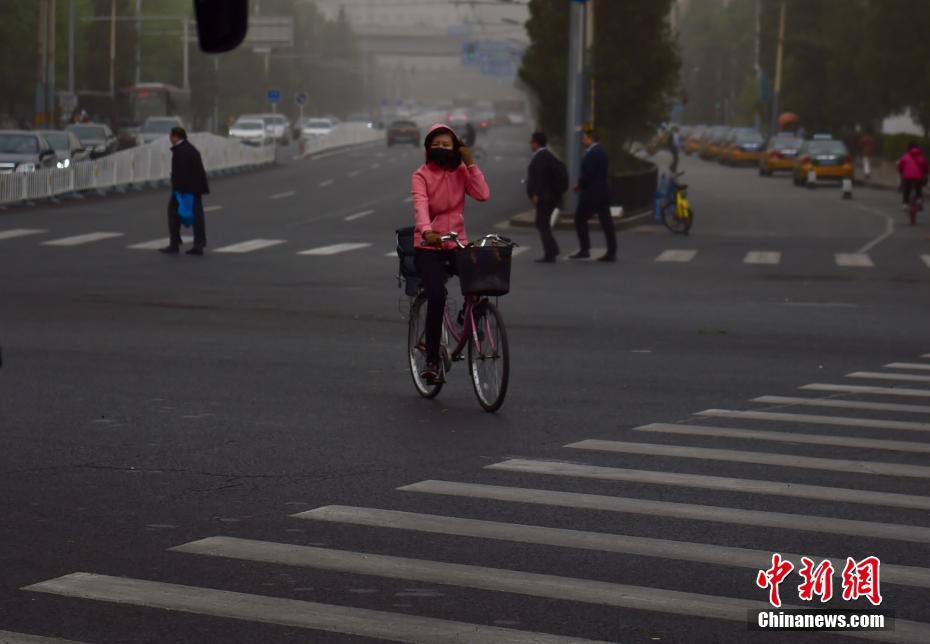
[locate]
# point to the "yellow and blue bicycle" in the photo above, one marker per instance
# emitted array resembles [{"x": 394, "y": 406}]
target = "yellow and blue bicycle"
[{"x": 673, "y": 206}]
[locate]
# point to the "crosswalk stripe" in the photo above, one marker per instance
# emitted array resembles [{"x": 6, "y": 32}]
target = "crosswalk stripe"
[
  {"x": 283, "y": 195},
  {"x": 758, "y": 458},
  {"x": 327, "y": 182},
  {"x": 881, "y": 375},
  {"x": 20, "y": 232},
  {"x": 598, "y": 541},
  {"x": 7, "y": 637},
  {"x": 519, "y": 250},
  {"x": 688, "y": 511},
  {"x": 288, "y": 612},
  {"x": 842, "y": 404},
  {"x": 77, "y": 240},
  {"x": 213, "y": 208},
  {"x": 250, "y": 246},
  {"x": 860, "y": 389},
  {"x": 788, "y": 437},
  {"x": 762, "y": 257},
  {"x": 333, "y": 249},
  {"x": 359, "y": 215},
  {"x": 917, "y": 366},
  {"x": 676, "y": 256},
  {"x": 155, "y": 244},
  {"x": 700, "y": 481},
  {"x": 854, "y": 260},
  {"x": 843, "y": 421}
]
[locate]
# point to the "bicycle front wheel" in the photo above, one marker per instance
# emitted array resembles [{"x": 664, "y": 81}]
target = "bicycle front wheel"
[
  {"x": 489, "y": 357},
  {"x": 679, "y": 225},
  {"x": 416, "y": 348}
]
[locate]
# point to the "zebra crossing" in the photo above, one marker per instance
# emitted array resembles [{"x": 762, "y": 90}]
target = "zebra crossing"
[{"x": 542, "y": 486}]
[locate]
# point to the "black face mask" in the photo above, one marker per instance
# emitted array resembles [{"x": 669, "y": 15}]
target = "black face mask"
[{"x": 445, "y": 159}]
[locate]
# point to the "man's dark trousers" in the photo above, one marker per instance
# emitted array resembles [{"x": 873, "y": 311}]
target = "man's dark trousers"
[
  {"x": 174, "y": 222},
  {"x": 544, "y": 210},
  {"x": 583, "y": 213}
]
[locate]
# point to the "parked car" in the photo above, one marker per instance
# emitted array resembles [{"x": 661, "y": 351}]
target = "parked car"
[
  {"x": 745, "y": 145},
  {"x": 96, "y": 138},
  {"x": 252, "y": 131},
  {"x": 694, "y": 140},
  {"x": 280, "y": 127},
  {"x": 711, "y": 144},
  {"x": 314, "y": 128},
  {"x": 780, "y": 154},
  {"x": 68, "y": 148},
  {"x": 24, "y": 151},
  {"x": 157, "y": 127},
  {"x": 827, "y": 157},
  {"x": 403, "y": 132}
]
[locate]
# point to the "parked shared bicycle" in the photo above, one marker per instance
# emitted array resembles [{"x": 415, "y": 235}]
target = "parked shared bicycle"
[{"x": 672, "y": 205}]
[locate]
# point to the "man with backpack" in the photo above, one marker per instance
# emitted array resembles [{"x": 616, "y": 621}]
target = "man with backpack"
[{"x": 546, "y": 182}]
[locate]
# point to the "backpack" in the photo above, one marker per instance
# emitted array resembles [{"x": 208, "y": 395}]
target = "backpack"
[{"x": 559, "y": 176}]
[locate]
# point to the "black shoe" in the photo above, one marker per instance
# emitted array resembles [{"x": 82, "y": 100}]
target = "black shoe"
[
  {"x": 169, "y": 250},
  {"x": 195, "y": 251},
  {"x": 546, "y": 260},
  {"x": 607, "y": 258},
  {"x": 581, "y": 254}
]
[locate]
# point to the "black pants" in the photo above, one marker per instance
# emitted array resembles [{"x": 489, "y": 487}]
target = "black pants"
[
  {"x": 910, "y": 185},
  {"x": 174, "y": 223},
  {"x": 674, "y": 167},
  {"x": 583, "y": 213},
  {"x": 434, "y": 268},
  {"x": 543, "y": 218}
]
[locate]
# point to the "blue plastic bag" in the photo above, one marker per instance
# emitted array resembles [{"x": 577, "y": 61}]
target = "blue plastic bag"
[{"x": 185, "y": 208}]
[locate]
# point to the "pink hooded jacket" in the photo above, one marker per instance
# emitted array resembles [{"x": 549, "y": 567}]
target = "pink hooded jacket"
[
  {"x": 912, "y": 166},
  {"x": 439, "y": 196}
]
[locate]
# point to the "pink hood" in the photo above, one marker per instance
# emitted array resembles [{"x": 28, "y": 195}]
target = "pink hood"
[
  {"x": 912, "y": 166},
  {"x": 439, "y": 195}
]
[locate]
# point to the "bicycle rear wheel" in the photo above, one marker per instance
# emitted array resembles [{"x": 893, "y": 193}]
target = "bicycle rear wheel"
[
  {"x": 676, "y": 224},
  {"x": 416, "y": 348},
  {"x": 489, "y": 357},
  {"x": 914, "y": 206}
]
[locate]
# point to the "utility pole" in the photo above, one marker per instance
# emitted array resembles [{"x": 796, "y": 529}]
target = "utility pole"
[
  {"x": 779, "y": 58},
  {"x": 186, "y": 37},
  {"x": 50, "y": 95},
  {"x": 72, "y": 18},
  {"x": 757, "y": 63},
  {"x": 42, "y": 64},
  {"x": 112, "y": 48},
  {"x": 589, "y": 58},
  {"x": 138, "y": 42},
  {"x": 575, "y": 109}
]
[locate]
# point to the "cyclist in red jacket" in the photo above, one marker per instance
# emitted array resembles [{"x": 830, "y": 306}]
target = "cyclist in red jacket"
[{"x": 912, "y": 166}]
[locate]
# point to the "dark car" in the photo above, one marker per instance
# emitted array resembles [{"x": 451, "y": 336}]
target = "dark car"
[
  {"x": 403, "y": 132},
  {"x": 68, "y": 148},
  {"x": 98, "y": 139},
  {"x": 22, "y": 151}
]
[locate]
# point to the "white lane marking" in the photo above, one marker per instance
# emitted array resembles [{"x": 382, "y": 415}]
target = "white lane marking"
[
  {"x": 889, "y": 226},
  {"x": 212, "y": 208},
  {"x": 375, "y": 166},
  {"x": 688, "y": 511},
  {"x": 762, "y": 257},
  {"x": 854, "y": 260},
  {"x": 333, "y": 249},
  {"x": 926, "y": 260},
  {"x": 250, "y": 246},
  {"x": 700, "y": 481},
  {"x": 788, "y": 437},
  {"x": 354, "y": 173},
  {"x": 283, "y": 195},
  {"x": 519, "y": 250},
  {"x": 757, "y": 458},
  {"x": 20, "y": 232},
  {"x": 676, "y": 256},
  {"x": 6, "y": 637},
  {"x": 393, "y": 254},
  {"x": 288, "y": 612},
  {"x": 582, "y": 540},
  {"x": 359, "y": 215},
  {"x": 327, "y": 182},
  {"x": 408, "y": 200},
  {"x": 77, "y": 240},
  {"x": 908, "y": 365},
  {"x": 843, "y": 421},
  {"x": 859, "y": 389},
  {"x": 878, "y": 375},
  {"x": 843, "y": 404},
  {"x": 155, "y": 244}
]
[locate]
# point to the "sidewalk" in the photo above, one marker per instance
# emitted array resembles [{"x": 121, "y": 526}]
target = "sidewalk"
[{"x": 884, "y": 175}]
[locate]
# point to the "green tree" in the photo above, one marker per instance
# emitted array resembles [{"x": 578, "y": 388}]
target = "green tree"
[{"x": 544, "y": 68}]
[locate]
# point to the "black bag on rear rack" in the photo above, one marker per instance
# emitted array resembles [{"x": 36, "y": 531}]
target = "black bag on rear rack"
[{"x": 405, "y": 253}]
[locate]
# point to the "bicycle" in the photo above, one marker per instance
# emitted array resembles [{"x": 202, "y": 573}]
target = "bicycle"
[
  {"x": 916, "y": 201},
  {"x": 672, "y": 205},
  {"x": 478, "y": 327}
]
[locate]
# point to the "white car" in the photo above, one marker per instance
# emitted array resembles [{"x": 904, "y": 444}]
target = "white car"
[
  {"x": 253, "y": 131},
  {"x": 156, "y": 127},
  {"x": 279, "y": 125},
  {"x": 315, "y": 128}
]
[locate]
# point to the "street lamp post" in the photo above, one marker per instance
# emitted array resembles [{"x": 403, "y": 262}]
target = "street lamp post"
[{"x": 779, "y": 58}]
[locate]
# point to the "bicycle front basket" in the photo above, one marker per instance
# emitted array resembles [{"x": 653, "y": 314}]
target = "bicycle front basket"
[{"x": 484, "y": 270}]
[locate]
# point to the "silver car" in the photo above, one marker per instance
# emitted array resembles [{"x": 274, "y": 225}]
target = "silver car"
[
  {"x": 24, "y": 151},
  {"x": 157, "y": 127},
  {"x": 68, "y": 148}
]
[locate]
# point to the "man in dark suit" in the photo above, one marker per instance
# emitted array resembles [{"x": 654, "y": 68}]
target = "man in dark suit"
[
  {"x": 543, "y": 190},
  {"x": 594, "y": 198},
  {"x": 187, "y": 175}
]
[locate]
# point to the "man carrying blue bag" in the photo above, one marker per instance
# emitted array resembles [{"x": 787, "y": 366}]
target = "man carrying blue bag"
[{"x": 188, "y": 185}]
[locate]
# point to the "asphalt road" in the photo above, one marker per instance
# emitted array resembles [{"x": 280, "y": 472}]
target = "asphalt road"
[{"x": 151, "y": 402}]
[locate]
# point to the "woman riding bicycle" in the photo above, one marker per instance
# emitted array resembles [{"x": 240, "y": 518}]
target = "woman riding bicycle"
[
  {"x": 912, "y": 166},
  {"x": 439, "y": 187}
]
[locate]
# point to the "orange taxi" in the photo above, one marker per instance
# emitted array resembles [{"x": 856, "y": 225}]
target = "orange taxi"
[
  {"x": 828, "y": 158},
  {"x": 780, "y": 155}
]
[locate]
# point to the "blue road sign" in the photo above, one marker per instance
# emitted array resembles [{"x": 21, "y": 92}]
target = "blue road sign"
[{"x": 273, "y": 95}]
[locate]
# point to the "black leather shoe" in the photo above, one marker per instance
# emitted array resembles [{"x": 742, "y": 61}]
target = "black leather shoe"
[
  {"x": 581, "y": 254},
  {"x": 195, "y": 251},
  {"x": 169, "y": 250},
  {"x": 607, "y": 258}
]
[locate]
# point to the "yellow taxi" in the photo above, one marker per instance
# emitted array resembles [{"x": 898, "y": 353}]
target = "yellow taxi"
[
  {"x": 827, "y": 157},
  {"x": 695, "y": 139},
  {"x": 713, "y": 143},
  {"x": 743, "y": 145},
  {"x": 780, "y": 155}
]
